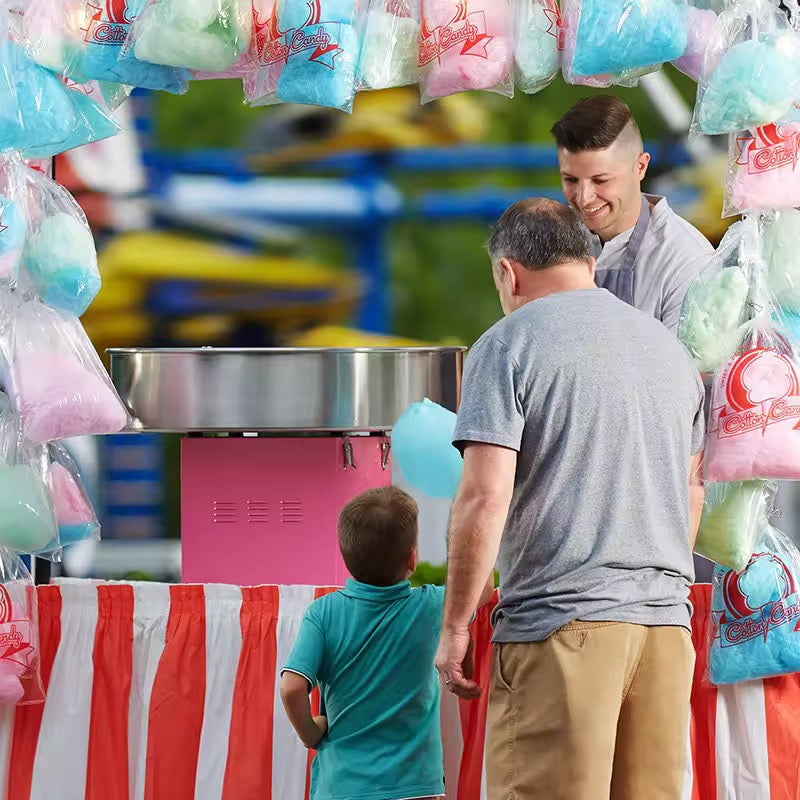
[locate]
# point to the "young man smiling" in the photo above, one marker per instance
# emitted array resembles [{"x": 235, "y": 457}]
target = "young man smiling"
[{"x": 646, "y": 254}]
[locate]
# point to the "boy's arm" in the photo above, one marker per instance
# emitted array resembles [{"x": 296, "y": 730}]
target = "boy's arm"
[{"x": 295, "y": 691}]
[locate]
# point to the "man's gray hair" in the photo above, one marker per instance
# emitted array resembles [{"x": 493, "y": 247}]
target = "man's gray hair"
[{"x": 538, "y": 234}]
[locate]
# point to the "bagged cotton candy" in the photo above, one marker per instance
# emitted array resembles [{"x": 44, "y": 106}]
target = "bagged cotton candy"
[
  {"x": 87, "y": 41},
  {"x": 700, "y": 24},
  {"x": 749, "y": 75},
  {"x": 466, "y": 44},
  {"x": 75, "y": 515},
  {"x": 538, "y": 44},
  {"x": 762, "y": 171},
  {"x": 20, "y": 680},
  {"x": 59, "y": 257},
  {"x": 754, "y": 614},
  {"x": 715, "y": 307},
  {"x": 614, "y": 37},
  {"x": 203, "y": 35},
  {"x": 733, "y": 516},
  {"x": 753, "y": 429},
  {"x": 27, "y": 519},
  {"x": 323, "y": 49},
  {"x": 781, "y": 234},
  {"x": 390, "y": 44},
  {"x": 268, "y": 54},
  {"x": 56, "y": 381},
  {"x": 13, "y": 218},
  {"x": 422, "y": 448}
]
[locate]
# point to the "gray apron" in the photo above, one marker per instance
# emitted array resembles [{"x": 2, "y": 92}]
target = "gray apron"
[{"x": 620, "y": 281}]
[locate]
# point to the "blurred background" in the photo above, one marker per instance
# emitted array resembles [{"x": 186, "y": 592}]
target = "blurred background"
[{"x": 219, "y": 224}]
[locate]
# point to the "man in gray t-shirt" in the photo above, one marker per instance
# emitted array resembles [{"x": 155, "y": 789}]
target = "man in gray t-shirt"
[{"x": 581, "y": 421}]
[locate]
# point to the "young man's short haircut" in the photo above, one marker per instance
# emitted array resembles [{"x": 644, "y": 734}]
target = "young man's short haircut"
[
  {"x": 378, "y": 530},
  {"x": 594, "y": 123}
]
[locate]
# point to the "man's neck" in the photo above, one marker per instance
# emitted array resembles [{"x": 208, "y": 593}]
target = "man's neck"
[
  {"x": 625, "y": 223},
  {"x": 564, "y": 278}
]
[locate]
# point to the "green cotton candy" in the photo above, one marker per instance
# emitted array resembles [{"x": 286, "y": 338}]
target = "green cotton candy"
[
  {"x": 733, "y": 515},
  {"x": 27, "y": 521},
  {"x": 713, "y": 313}
]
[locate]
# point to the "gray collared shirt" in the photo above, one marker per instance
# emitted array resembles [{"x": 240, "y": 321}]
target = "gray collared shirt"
[{"x": 672, "y": 255}]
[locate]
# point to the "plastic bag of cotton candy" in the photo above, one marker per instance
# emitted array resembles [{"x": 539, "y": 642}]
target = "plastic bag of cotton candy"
[
  {"x": 390, "y": 44},
  {"x": 607, "y": 37},
  {"x": 466, "y": 44},
  {"x": 55, "y": 379},
  {"x": 322, "y": 48},
  {"x": 749, "y": 76},
  {"x": 762, "y": 173},
  {"x": 86, "y": 41},
  {"x": 20, "y": 680},
  {"x": 754, "y": 418},
  {"x": 201, "y": 35},
  {"x": 41, "y": 113},
  {"x": 733, "y": 516},
  {"x": 715, "y": 310},
  {"x": 59, "y": 260},
  {"x": 754, "y": 630},
  {"x": 539, "y": 40}
]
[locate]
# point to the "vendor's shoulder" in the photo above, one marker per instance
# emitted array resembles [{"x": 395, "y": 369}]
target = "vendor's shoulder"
[{"x": 677, "y": 232}]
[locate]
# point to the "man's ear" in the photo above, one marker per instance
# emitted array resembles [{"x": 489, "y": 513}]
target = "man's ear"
[
  {"x": 509, "y": 269},
  {"x": 642, "y": 163},
  {"x": 592, "y": 266}
]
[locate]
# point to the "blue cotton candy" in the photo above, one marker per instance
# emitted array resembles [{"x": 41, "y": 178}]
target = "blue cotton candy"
[
  {"x": 613, "y": 37},
  {"x": 329, "y": 80},
  {"x": 754, "y": 84},
  {"x": 755, "y": 613},
  {"x": 72, "y": 534},
  {"x": 422, "y": 448},
  {"x": 62, "y": 263},
  {"x": 36, "y": 111},
  {"x": 299, "y": 14},
  {"x": 109, "y": 63}
]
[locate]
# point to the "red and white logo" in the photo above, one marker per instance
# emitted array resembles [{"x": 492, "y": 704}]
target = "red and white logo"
[
  {"x": 746, "y": 615},
  {"x": 772, "y": 147},
  {"x": 761, "y": 388},
  {"x": 270, "y": 45},
  {"x": 469, "y": 31},
  {"x": 106, "y": 23},
  {"x": 6, "y": 609}
]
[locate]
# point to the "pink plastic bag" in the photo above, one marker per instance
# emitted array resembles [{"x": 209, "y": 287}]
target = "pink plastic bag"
[
  {"x": 75, "y": 515},
  {"x": 762, "y": 169},
  {"x": 56, "y": 381},
  {"x": 20, "y": 679},
  {"x": 754, "y": 420},
  {"x": 466, "y": 44}
]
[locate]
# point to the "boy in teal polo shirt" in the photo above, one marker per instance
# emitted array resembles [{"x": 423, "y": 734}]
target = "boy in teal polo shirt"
[{"x": 370, "y": 647}]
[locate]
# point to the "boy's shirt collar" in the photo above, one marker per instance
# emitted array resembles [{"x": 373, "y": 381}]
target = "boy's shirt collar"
[{"x": 366, "y": 591}]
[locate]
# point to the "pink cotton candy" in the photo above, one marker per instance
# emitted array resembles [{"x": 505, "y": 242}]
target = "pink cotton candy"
[
  {"x": 755, "y": 415},
  {"x": 11, "y": 689},
  {"x": 68, "y": 499},
  {"x": 466, "y": 44},
  {"x": 699, "y": 25},
  {"x": 57, "y": 397}
]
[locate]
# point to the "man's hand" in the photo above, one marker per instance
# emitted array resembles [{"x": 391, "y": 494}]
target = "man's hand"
[{"x": 454, "y": 663}]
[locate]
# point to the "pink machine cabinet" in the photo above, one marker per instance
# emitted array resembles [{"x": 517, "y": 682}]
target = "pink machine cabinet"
[{"x": 277, "y": 441}]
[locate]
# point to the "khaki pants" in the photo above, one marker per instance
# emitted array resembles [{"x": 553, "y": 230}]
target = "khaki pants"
[{"x": 599, "y": 710}]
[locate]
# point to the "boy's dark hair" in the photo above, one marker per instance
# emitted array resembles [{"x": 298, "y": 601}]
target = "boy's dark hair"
[
  {"x": 594, "y": 123},
  {"x": 378, "y": 530}
]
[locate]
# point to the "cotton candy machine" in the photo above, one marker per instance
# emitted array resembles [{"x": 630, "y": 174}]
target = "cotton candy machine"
[{"x": 276, "y": 442}]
